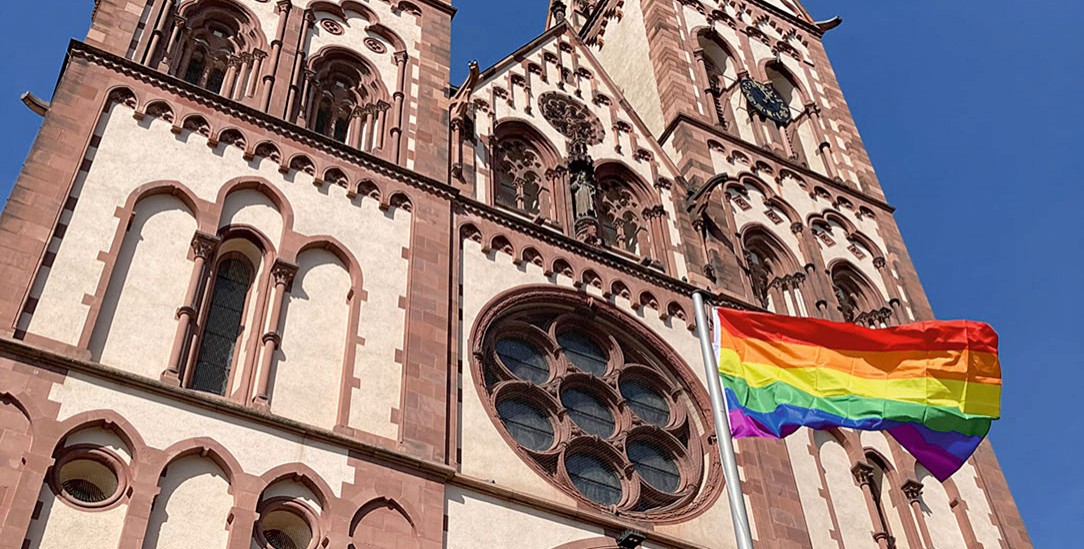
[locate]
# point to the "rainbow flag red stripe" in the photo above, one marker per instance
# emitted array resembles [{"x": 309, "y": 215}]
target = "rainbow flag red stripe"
[{"x": 934, "y": 386}]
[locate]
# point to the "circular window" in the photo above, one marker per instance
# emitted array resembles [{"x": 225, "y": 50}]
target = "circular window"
[
  {"x": 583, "y": 352},
  {"x": 625, "y": 437},
  {"x": 588, "y": 412},
  {"x": 594, "y": 478},
  {"x": 646, "y": 403},
  {"x": 523, "y": 360},
  {"x": 655, "y": 465},
  {"x": 527, "y": 424},
  {"x": 88, "y": 480},
  {"x": 285, "y": 529}
]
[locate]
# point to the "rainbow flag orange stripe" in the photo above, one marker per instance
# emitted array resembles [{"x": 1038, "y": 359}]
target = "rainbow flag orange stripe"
[{"x": 934, "y": 386}]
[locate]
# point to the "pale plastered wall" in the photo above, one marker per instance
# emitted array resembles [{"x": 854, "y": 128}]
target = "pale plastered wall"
[
  {"x": 476, "y": 520},
  {"x": 308, "y": 366},
  {"x": 138, "y": 318},
  {"x": 59, "y": 523},
  {"x": 851, "y": 512},
  {"x": 625, "y": 55},
  {"x": 192, "y": 508},
  {"x": 485, "y": 454},
  {"x": 121, "y": 164},
  {"x": 944, "y": 529}
]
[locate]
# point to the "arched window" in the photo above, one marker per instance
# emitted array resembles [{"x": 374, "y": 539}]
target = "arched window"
[
  {"x": 721, "y": 73},
  {"x": 216, "y": 47},
  {"x": 222, "y": 326},
  {"x": 859, "y": 301},
  {"x": 520, "y": 174},
  {"x": 346, "y": 100},
  {"x": 775, "y": 277},
  {"x": 620, "y": 217}
]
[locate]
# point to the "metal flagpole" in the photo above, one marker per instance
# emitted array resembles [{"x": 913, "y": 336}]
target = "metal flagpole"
[{"x": 722, "y": 428}]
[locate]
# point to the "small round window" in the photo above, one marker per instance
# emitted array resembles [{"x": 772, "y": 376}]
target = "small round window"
[
  {"x": 285, "y": 529},
  {"x": 523, "y": 360},
  {"x": 88, "y": 480}
]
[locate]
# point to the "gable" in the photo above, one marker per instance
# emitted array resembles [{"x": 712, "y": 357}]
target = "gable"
[{"x": 558, "y": 72}]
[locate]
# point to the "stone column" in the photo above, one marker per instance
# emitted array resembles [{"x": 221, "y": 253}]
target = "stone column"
[
  {"x": 283, "y": 275},
  {"x": 863, "y": 476},
  {"x": 913, "y": 490},
  {"x": 229, "y": 81},
  {"x": 282, "y": 8},
  {"x": 204, "y": 247},
  {"x": 180, "y": 25},
  {"x": 398, "y": 104}
]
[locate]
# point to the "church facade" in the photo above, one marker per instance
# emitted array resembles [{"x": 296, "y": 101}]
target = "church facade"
[{"x": 268, "y": 280}]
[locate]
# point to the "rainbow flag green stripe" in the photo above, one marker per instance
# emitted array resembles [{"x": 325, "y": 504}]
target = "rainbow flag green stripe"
[{"x": 863, "y": 413}]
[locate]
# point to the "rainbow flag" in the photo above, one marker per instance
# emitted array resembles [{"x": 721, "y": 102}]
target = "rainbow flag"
[{"x": 934, "y": 386}]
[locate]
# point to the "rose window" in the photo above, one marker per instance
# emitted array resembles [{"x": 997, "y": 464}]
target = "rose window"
[{"x": 597, "y": 405}]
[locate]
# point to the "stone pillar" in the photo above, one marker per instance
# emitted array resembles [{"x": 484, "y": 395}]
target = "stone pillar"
[
  {"x": 863, "y": 476},
  {"x": 283, "y": 274},
  {"x": 282, "y": 8},
  {"x": 204, "y": 247},
  {"x": 913, "y": 490},
  {"x": 180, "y": 25},
  {"x": 399, "y": 105}
]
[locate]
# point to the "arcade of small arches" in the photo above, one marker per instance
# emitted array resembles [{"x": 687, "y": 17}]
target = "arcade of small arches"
[
  {"x": 336, "y": 91},
  {"x": 255, "y": 149},
  {"x": 96, "y": 464}
]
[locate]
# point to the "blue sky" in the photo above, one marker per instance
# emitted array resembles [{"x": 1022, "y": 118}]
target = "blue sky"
[{"x": 971, "y": 111}]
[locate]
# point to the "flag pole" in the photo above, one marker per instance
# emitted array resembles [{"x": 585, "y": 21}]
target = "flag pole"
[{"x": 738, "y": 513}]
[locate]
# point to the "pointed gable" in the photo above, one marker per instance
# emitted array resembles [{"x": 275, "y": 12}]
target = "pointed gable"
[{"x": 557, "y": 71}]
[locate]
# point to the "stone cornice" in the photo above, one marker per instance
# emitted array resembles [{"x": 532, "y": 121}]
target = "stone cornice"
[
  {"x": 683, "y": 118},
  {"x": 180, "y": 88}
]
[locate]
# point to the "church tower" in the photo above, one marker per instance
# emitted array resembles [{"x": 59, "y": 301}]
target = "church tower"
[{"x": 268, "y": 280}]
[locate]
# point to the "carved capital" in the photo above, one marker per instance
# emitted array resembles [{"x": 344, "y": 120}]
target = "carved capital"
[
  {"x": 283, "y": 6},
  {"x": 913, "y": 490},
  {"x": 797, "y": 228},
  {"x": 204, "y": 245},
  {"x": 283, "y": 273},
  {"x": 879, "y": 262},
  {"x": 863, "y": 474},
  {"x": 400, "y": 57},
  {"x": 180, "y": 21}
]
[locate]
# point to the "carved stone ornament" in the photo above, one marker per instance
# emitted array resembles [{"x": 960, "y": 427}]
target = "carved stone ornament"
[
  {"x": 332, "y": 26},
  {"x": 376, "y": 46},
  {"x": 572, "y": 118},
  {"x": 913, "y": 491},
  {"x": 204, "y": 245},
  {"x": 283, "y": 273}
]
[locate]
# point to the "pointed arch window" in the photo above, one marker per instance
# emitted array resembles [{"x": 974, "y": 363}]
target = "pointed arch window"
[
  {"x": 859, "y": 302},
  {"x": 346, "y": 100},
  {"x": 520, "y": 175},
  {"x": 775, "y": 276},
  {"x": 620, "y": 216},
  {"x": 223, "y": 325}
]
